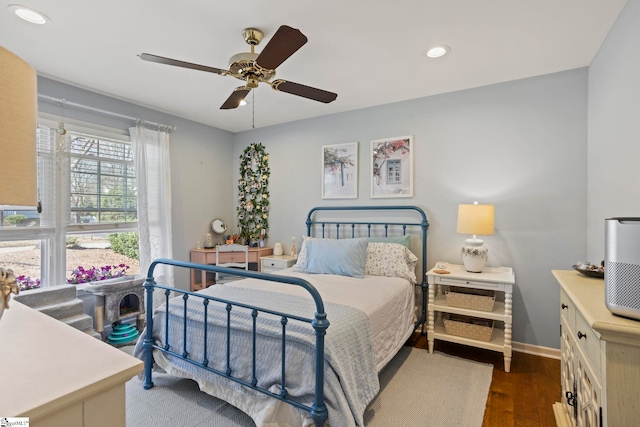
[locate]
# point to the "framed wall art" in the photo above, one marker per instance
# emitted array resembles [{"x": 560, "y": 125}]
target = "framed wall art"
[
  {"x": 340, "y": 171},
  {"x": 392, "y": 167}
]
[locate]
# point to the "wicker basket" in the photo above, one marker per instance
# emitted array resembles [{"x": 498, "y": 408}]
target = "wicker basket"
[
  {"x": 468, "y": 327},
  {"x": 475, "y": 299}
]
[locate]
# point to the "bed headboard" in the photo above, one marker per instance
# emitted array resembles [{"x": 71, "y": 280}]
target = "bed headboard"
[{"x": 367, "y": 221}]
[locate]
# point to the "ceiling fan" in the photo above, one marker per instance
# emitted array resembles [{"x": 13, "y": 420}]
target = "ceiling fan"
[{"x": 254, "y": 68}]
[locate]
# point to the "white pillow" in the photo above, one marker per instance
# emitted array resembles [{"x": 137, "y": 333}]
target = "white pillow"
[{"x": 391, "y": 260}]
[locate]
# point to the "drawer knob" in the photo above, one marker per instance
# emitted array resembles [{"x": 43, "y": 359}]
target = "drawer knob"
[
  {"x": 581, "y": 335},
  {"x": 563, "y": 306}
]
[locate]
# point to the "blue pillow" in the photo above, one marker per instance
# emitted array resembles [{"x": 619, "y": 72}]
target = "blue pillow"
[
  {"x": 403, "y": 240},
  {"x": 344, "y": 257}
]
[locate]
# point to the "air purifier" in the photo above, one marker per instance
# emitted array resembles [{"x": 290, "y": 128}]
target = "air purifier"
[{"x": 622, "y": 266}]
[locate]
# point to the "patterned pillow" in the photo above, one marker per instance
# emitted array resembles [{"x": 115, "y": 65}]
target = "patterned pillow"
[
  {"x": 403, "y": 240},
  {"x": 391, "y": 260},
  {"x": 302, "y": 256}
]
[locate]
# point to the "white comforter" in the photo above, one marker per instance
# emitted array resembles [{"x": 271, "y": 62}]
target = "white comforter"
[{"x": 387, "y": 301}]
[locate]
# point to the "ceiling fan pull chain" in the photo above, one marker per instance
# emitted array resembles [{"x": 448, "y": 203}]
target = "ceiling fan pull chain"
[{"x": 253, "y": 109}]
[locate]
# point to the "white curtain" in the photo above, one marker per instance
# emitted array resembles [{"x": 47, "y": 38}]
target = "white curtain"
[
  {"x": 62, "y": 206},
  {"x": 54, "y": 173},
  {"x": 153, "y": 175}
]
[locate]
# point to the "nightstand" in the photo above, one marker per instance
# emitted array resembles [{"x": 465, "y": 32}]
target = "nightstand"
[
  {"x": 498, "y": 280},
  {"x": 271, "y": 263}
]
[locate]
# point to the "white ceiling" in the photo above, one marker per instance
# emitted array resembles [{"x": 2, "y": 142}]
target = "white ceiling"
[{"x": 370, "y": 52}]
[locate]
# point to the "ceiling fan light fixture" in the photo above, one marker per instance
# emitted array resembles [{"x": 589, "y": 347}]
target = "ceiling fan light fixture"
[
  {"x": 243, "y": 102},
  {"x": 437, "y": 51},
  {"x": 253, "y": 68},
  {"x": 28, "y": 14}
]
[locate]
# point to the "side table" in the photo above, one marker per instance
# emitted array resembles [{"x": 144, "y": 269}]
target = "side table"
[{"x": 497, "y": 279}]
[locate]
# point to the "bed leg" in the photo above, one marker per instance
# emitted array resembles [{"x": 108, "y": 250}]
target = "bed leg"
[
  {"x": 147, "y": 344},
  {"x": 319, "y": 411}
]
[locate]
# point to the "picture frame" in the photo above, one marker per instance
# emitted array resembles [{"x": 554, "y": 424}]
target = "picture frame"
[
  {"x": 340, "y": 171},
  {"x": 392, "y": 167}
]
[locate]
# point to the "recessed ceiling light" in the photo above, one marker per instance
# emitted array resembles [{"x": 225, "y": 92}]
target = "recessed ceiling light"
[
  {"x": 29, "y": 15},
  {"x": 437, "y": 52}
]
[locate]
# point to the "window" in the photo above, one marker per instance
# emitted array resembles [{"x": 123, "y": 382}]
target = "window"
[
  {"x": 103, "y": 187},
  {"x": 394, "y": 171},
  {"x": 87, "y": 186}
]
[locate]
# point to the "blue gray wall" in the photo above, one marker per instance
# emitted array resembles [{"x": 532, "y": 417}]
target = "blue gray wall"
[
  {"x": 614, "y": 134},
  {"x": 519, "y": 145}
]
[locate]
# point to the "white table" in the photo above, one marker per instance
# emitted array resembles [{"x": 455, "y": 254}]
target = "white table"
[{"x": 498, "y": 279}]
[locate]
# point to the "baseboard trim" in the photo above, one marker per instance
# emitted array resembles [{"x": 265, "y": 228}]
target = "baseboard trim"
[
  {"x": 536, "y": 350},
  {"x": 561, "y": 416}
]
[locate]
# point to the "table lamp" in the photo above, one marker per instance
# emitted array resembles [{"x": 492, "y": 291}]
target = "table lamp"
[{"x": 475, "y": 219}]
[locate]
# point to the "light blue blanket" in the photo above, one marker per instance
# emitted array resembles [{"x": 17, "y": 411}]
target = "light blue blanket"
[{"x": 351, "y": 379}]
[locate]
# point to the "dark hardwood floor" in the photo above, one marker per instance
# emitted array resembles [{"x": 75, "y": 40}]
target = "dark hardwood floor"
[{"x": 520, "y": 398}]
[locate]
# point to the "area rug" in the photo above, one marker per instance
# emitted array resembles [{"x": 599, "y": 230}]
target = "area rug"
[{"x": 417, "y": 389}]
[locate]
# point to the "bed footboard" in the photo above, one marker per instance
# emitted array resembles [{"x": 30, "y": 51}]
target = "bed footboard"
[{"x": 319, "y": 322}]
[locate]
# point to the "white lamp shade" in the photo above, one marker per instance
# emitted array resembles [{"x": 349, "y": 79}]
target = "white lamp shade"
[
  {"x": 18, "y": 118},
  {"x": 475, "y": 219}
]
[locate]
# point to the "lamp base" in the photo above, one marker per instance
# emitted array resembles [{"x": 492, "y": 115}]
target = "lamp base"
[{"x": 474, "y": 258}]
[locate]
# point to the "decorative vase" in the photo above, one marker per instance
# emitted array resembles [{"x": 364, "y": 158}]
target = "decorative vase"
[
  {"x": 277, "y": 249},
  {"x": 474, "y": 258}
]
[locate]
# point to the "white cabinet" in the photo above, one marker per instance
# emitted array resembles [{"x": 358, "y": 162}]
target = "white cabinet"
[
  {"x": 600, "y": 369},
  {"x": 498, "y": 280},
  {"x": 580, "y": 367},
  {"x": 271, "y": 263},
  {"x": 56, "y": 375}
]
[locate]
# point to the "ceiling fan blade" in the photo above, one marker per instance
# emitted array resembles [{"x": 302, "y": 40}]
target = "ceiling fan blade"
[
  {"x": 284, "y": 43},
  {"x": 235, "y": 98},
  {"x": 304, "y": 91},
  {"x": 168, "y": 61}
]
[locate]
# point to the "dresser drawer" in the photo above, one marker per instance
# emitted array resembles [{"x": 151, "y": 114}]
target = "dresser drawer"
[
  {"x": 466, "y": 283},
  {"x": 589, "y": 343},
  {"x": 567, "y": 311},
  {"x": 225, "y": 257},
  {"x": 275, "y": 263}
]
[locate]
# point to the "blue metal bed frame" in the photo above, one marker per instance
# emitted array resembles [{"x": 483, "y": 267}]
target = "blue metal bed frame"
[{"x": 319, "y": 322}]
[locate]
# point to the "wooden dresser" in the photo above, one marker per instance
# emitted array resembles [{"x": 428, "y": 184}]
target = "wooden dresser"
[
  {"x": 201, "y": 279},
  {"x": 59, "y": 376},
  {"x": 600, "y": 357}
]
